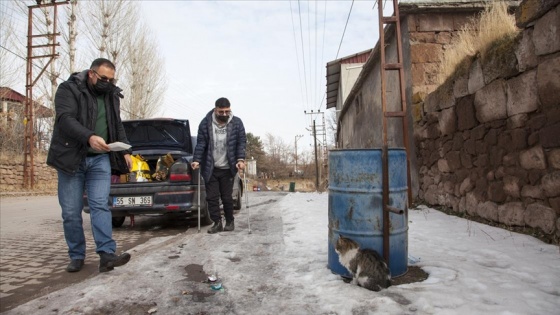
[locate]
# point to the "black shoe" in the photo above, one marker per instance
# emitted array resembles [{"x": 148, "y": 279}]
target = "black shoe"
[
  {"x": 217, "y": 227},
  {"x": 75, "y": 265},
  {"x": 108, "y": 261},
  {"x": 230, "y": 226}
]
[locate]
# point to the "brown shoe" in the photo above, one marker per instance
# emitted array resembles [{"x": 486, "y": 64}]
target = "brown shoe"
[{"x": 108, "y": 261}]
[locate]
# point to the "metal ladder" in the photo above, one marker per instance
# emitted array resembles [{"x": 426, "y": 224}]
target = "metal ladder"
[{"x": 394, "y": 19}]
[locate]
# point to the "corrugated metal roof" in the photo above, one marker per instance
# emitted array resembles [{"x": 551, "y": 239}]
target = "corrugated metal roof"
[
  {"x": 333, "y": 73},
  {"x": 407, "y": 6}
]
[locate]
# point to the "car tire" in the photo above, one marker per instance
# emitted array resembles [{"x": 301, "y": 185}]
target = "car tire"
[{"x": 117, "y": 221}]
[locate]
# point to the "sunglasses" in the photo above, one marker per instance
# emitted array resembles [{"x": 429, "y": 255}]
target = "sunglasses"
[
  {"x": 223, "y": 112},
  {"x": 103, "y": 78}
]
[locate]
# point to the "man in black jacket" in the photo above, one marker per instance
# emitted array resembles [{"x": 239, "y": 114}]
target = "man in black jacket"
[
  {"x": 220, "y": 151},
  {"x": 87, "y": 109}
]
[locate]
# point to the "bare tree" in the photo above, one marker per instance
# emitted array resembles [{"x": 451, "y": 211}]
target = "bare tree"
[
  {"x": 143, "y": 74},
  {"x": 118, "y": 35}
]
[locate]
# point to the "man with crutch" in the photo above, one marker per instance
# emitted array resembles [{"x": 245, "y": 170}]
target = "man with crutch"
[{"x": 220, "y": 154}]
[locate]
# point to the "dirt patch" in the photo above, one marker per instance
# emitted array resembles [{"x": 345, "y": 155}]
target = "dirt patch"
[{"x": 414, "y": 274}]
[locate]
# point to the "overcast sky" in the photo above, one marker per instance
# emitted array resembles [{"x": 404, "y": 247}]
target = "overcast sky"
[
  {"x": 251, "y": 53},
  {"x": 267, "y": 57}
]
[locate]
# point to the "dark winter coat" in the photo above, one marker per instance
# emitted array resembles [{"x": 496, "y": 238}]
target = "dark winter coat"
[
  {"x": 236, "y": 144},
  {"x": 76, "y": 115}
]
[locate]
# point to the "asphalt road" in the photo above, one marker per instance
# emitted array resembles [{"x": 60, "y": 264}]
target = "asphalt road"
[{"x": 33, "y": 252}]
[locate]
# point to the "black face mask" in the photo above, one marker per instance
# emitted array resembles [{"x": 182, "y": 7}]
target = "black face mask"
[
  {"x": 102, "y": 87},
  {"x": 223, "y": 119}
]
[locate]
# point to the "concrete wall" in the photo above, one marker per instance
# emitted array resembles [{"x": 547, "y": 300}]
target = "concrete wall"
[{"x": 488, "y": 139}]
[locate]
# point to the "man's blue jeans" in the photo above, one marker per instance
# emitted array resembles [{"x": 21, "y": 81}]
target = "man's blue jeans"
[{"x": 94, "y": 175}]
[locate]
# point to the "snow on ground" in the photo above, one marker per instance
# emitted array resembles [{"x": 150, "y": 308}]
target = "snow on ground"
[{"x": 281, "y": 268}]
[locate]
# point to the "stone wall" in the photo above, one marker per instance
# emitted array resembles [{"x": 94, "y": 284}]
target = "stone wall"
[
  {"x": 488, "y": 139},
  {"x": 11, "y": 174}
]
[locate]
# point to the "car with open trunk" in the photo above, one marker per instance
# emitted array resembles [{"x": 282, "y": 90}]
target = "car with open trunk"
[{"x": 174, "y": 193}]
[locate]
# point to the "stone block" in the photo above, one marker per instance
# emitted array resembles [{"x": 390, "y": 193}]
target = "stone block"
[
  {"x": 530, "y": 10},
  {"x": 466, "y": 160},
  {"x": 424, "y": 73},
  {"x": 453, "y": 160},
  {"x": 444, "y": 38},
  {"x": 533, "y": 158},
  {"x": 510, "y": 159},
  {"x": 554, "y": 158},
  {"x": 522, "y": 94},
  {"x": 437, "y": 23},
  {"x": 490, "y": 102},
  {"x": 430, "y": 196},
  {"x": 519, "y": 139},
  {"x": 555, "y": 204},
  {"x": 548, "y": 83},
  {"x": 447, "y": 121},
  {"x": 499, "y": 61},
  {"x": 533, "y": 139},
  {"x": 461, "y": 86},
  {"x": 511, "y": 186},
  {"x": 517, "y": 121},
  {"x": 540, "y": 216},
  {"x": 550, "y": 136},
  {"x": 423, "y": 37},
  {"x": 443, "y": 166},
  {"x": 546, "y": 33},
  {"x": 511, "y": 213},
  {"x": 488, "y": 210},
  {"x": 466, "y": 118},
  {"x": 491, "y": 137},
  {"x": 476, "y": 78},
  {"x": 457, "y": 142},
  {"x": 481, "y": 160},
  {"x": 550, "y": 184},
  {"x": 525, "y": 51},
  {"x": 530, "y": 191},
  {"x": 466, "y": 186},
  {"x": 496, "y": 192},
  {"x": 479, "y": 132},
  {"x": 425, "y": 52},
  {"x": 471, "y": 203},
  {"x": 537, "y": 122},
  {"x": 496, "y": 156},
  {"x": 470, "y": 146}
]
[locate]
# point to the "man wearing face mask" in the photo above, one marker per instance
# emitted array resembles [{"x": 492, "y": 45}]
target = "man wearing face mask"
[
  {"x": 220, "y": 152},
  {"x": 87, "y": 108}
]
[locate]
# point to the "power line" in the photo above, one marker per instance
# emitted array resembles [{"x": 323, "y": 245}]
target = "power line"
[
  {"x": 297, "y": 55},
  {"x": 25, "y": 59},
  {"x": 303, "y": 54},
  {"x": 340, "y": 45}
]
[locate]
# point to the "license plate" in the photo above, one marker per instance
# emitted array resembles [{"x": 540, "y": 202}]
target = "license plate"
[{"x": 132, "y": 201}]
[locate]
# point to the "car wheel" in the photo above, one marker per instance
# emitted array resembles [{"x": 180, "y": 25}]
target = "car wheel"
[
  {"x": 237, "y": 204},
  {"x": 117, "y": 221}
]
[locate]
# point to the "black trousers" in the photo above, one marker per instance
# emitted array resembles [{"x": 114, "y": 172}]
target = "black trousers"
[{"x": 219, "y": 186}]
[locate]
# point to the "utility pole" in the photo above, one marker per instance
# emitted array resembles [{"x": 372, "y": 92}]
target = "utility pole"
[
  {"x": 314, "y": 131},
  {"x": 297, "y": 138},
  {"x": 28, "y": 121}
]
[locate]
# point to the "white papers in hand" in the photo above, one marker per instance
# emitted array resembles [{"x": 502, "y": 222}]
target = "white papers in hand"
[{"x": 118, "y": 146}]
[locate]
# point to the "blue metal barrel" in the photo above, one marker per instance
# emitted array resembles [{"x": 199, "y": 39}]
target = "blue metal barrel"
[{"x": 356, "y": 208}]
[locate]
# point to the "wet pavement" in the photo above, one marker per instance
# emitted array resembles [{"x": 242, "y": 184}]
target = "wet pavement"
[{"x": 33, "y": 252}]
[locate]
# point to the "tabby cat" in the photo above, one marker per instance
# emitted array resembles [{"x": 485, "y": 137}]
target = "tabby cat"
[{"x": 368, "y": 268}]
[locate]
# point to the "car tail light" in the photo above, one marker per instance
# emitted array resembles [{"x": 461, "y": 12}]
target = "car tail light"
[{"x": 180, "y": 172}]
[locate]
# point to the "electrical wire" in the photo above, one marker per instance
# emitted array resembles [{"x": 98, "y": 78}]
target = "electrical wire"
[
  {"x": 303, "y": 54},
  {"x": 341, "y": 39},
  {"x": 297, "y": 56}
]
